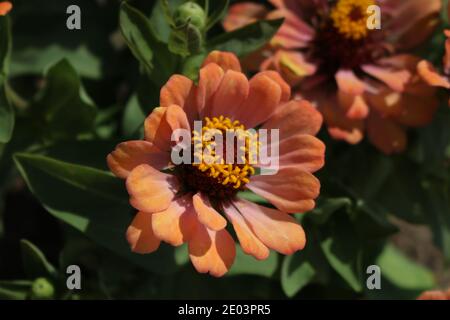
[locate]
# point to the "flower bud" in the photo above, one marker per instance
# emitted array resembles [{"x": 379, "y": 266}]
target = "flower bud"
[
  {"x": 192, "y": 13},
  {"x": 42, "y": 289}
]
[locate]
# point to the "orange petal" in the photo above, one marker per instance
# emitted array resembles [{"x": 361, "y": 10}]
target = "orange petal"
[
  {"x": 417, "y": 111},
  {"x": 249, "y": 242},
  {"x": 180, "y": 91},
  {"x": 350, "y": 92},
  {"x": 349, "y": 83},
  {"x": 295, "y": 117},
  {"x": 291, "y": 190},
  {"x": 230, "y": 95},
  {"x": 294, "y": 33},
  {"x": 177, "y": 224},
  {"x": 352, "y": 136},
  {"x": 226, "y": 60},
  {"x": 140, "y": 234},
  {"x": 209, "y": 80},
  {"x": 385, "y": 134},
  {"x": 431, "y": 76},
  {"x": 285, "y": 88},
  {"x": 302, "y": 151},
  {"x": 212, "y": 251},
  {"x": 242, "y": 14},
  {"x": 5, "y": 8},
  {"x": 130, "y": 154},
  {"x": 161, "y": 123},
  {"x": 264, "y": 97},
  {"x": 275, "y": 229},
  {"x": 341, "y": 127},
  {"x": 206, "y": 213},
  {"x": 292, "y": 65},
  {"x": 395, "y": 79},
  {"x": 446, "y": 59},
  {"x": 414, "y": 22},
  {"x": 150, "y": 190},
  {"x": 386, "y": 101},
  {"x": 433, "y": 295},
  {"x": 358, "y": 108}
]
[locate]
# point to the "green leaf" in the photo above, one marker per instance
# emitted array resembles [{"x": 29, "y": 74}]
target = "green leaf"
[
  {"x": 6, "y": 110},
  {"x": 6, "y": 115},
  {"x": 133, "y": 118},
  {"x": 192, "y": 66},
  {"x": 90, "y": 200},
  {"x": 296, "y": 272},
  {"x": 247, "y": 39},
  {"x": 37, "y": 60},
  {"x": 141, "y": 39},
  {"x": 220, "y": 8},
  {"x": 185, "y": 40},
  {"x": 337, "y": 255},
  {"x": 403, "y": 272},
  {"x": 136, "y": 30},
  {"x": 438, "y": 213},
  {"x": 63, "y": 108},
  {"x": 253, "y": 197},
  {"x": 34, "y": 261},
  {"x": 245, "y": 264},
  {"x": 15, "y": 289},
  {"x": 160, "y": 21},
  {"x": 325, "y": 207},
  {"x": 5, "y": 44}
]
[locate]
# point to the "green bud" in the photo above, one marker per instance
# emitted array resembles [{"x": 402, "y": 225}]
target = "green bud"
[
  {"x": 192, "y": 13},
  {"x": 42, "y": 289}
]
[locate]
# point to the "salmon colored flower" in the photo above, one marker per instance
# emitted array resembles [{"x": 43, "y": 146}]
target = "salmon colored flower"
[
  {"x": 5, "y": 8},
  {"x": 430, "y": 74},
  {"x": 193, "y": 203},
  {"x": 362, "y": 80},
  {"x": 435, "y": 295}
]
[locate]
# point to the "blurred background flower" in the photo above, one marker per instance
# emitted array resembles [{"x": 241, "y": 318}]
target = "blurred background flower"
[{"x": 363, "y": 81}]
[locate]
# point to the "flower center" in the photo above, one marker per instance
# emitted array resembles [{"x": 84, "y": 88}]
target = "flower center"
[
  {"x": 224, "y": 153},
  {"x": 343, "y": 40},
  {"x": 350, "y": 18}
]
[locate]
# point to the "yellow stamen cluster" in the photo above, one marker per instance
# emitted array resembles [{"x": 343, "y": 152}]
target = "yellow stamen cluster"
[
  {"x": 350, "y": 18},
  {"x": 213, "y": 162}
]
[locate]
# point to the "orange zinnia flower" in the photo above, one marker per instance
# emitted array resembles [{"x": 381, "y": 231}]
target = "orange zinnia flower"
[
  {"x": 430, "y": 74},
  {"x": 435, "y": 295},
  {"x": 362, "y": 80},
  {"x": 187, "y": 203},
  {"x": 5, "y": 8}
]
